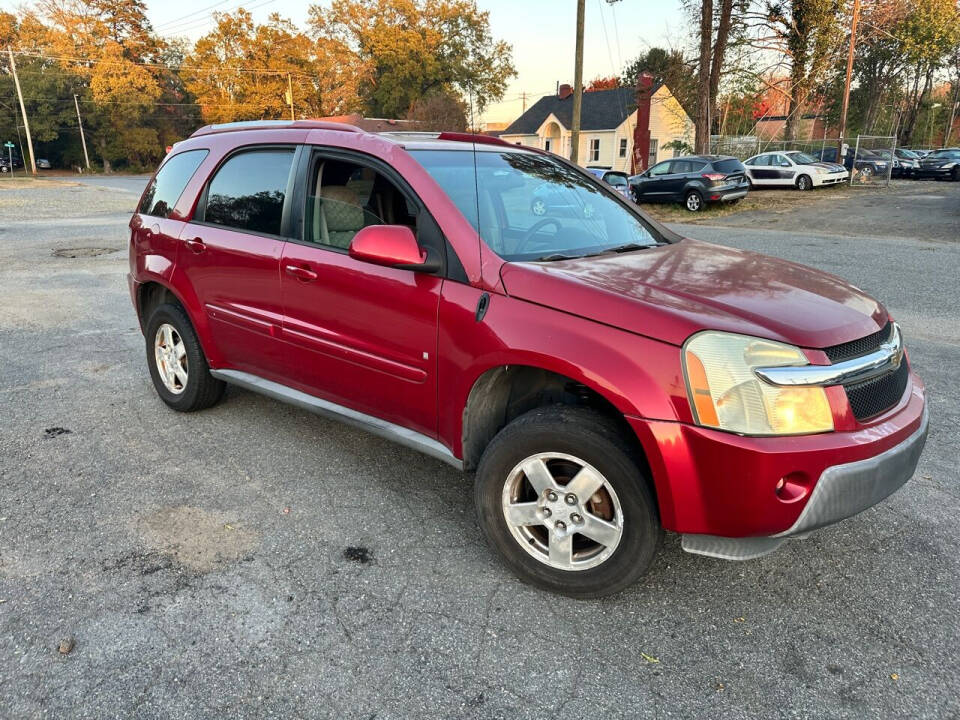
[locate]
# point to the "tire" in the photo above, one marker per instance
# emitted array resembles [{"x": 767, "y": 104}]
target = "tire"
[
  {"x": 569, "y": 437},
  {"x": 804, "y": 183},
  {"x": 194, "y": 388},
  {"x": 867, "y": 171},
  {"x": 955, "y": 174},
  {"x": 693, "y": 201}
]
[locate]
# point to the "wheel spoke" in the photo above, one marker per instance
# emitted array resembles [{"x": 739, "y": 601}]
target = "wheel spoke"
[
  {"x": 167, "y": 337},
  {"x": 561, "y": 549},
  {"x": 523, "y": 514},
  {"x": 600, "y": 531},
  {"x": 538, "y": 474},
  {"x": 180, "y": 374},
  {"x": 181, "y": 350},
  {"x": 584, "y": 484}
]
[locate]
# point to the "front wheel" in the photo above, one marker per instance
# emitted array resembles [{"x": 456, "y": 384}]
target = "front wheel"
[
  {"x": 955, "y": 174},
  {"x": 693, "y": 202},
  {"x": 561, "y": 497},
  {"x": 804, "y": 183}
]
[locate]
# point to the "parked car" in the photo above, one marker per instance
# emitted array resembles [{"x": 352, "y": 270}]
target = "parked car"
[
  {"x": 943, "y": 164},
  {"x": 907, "y": 162},
  {"x": 866, "y": 162},
  {"x": 43, "y": 164},
  {"x": 616, "y": 179},
  {"x": 792, "y": 168},
  {"x": 605, "y": 379},
  {"x": 552, "y": 199},
  {"x": 695, "y": 181},
  {"x": 4, "y": 165}
]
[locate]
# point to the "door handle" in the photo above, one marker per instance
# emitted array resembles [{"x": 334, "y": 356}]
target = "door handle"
[
  {"x": 301, "y": 273},
  {"x": 196, "y": 245}
]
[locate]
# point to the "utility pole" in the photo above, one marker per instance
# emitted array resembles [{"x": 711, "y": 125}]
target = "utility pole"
[
  {"x": 846, "y": 85},
  {"x": 577, "y": 86},
  {"x": 83, "y": 139},
  {"x": 524, "y": 96},
  {"x": 953, "y": 114},
  {"x": 23, "y": 110},
  {"x": 290, "y": 96}
]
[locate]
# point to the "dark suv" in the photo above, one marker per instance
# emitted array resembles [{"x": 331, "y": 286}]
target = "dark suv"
[
  {"x": 694, "y": 181},
  {"x": 604, "y": 377}
]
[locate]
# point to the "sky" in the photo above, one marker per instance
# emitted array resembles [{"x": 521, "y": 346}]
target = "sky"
[{"x": 540, "y": 31}]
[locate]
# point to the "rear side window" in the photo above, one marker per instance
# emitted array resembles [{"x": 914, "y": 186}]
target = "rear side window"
[
  {"x": 165, "y": 189},
  {"x": 681, "y": 166},
  {"x": 730, "y": 165},
  {"x": 249, "y": 190}
]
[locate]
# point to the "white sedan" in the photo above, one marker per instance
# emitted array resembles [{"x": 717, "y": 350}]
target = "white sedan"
[{"x": 793, "y": 168}]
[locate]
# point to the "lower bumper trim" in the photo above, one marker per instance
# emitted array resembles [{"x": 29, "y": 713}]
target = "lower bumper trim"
[{"x": 841, "y": 492}]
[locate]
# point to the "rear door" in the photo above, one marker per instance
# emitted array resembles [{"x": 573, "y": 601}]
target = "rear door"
[
  {"x": 360, "y": 335},
  {"x": 153, "y": 230},
  {"x": 761, "y": 172},
  {"x": 231, "y": 252}
]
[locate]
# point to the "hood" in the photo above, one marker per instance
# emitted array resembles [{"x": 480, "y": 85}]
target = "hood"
[
  {"x": 671, "y": 291},
  {"x": 937, "y": 162},
  {"x": 832, "y": 167}
]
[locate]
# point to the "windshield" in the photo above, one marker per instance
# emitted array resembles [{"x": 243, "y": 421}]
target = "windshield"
[
  {"x": 532, "y": 206},
  {"x": 944, "y": 155},
  {"x": 801, "y": 158}
]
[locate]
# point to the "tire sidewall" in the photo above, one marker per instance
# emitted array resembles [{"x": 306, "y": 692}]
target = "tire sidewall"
[
  {"x": 196, "y": 362},
  {"x": 641, "y": 528}
]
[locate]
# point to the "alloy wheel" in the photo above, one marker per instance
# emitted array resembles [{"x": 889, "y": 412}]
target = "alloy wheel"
[
  {"x": 562, "y": 511},
  {"x": 693, "y": 202},
  {"x": 170, "y": 354},
  {"x": 803, "y": 183}
]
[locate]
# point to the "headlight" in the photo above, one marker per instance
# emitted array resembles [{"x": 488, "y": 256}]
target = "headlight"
[
  {"x": 948, "y": 165},
  {"x": 725, "y": 393},
  {"x": 820, "y": 171}
]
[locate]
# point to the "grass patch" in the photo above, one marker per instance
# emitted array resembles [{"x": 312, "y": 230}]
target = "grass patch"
[{"x": 775, "y": 200}]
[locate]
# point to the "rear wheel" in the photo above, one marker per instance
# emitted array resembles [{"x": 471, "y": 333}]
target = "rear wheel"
[
  {"x": 804, "y": 183},
  {"x": 562, "y": 499},
  {"x": 693, "y": 202},
  {"x": 177, "y": 364}
]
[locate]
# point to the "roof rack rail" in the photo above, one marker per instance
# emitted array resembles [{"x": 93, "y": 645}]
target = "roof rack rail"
[
  {"x": 472, "y": 137},
  {"x": 275, "y": 125}
]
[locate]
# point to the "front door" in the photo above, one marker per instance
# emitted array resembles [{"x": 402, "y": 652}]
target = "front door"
[
  {"x": 359, "y": 334},
  {"x": 231, "y": 253},
  {"x": 654, "y": 184}
]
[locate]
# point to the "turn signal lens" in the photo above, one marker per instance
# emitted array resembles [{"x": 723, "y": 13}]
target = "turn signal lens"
[{"x": 726, "y": 394}]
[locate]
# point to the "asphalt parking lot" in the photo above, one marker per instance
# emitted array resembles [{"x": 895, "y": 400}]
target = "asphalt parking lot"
[{"x": 254, "y": 560}]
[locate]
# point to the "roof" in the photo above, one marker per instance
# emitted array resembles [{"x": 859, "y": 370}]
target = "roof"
[{"x": 600, "y": 110}]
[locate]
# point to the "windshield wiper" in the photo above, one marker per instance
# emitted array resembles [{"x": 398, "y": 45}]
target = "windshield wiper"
[
  {"x": 557, "y": 256},
  {"x": 628, "y": 247}
]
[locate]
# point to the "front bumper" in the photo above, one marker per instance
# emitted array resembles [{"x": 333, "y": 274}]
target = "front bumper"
[
  {"x": 841, "y": 492},
  {"x": 830, "y": 178},
  {"x": 723, "y": 485},
  {"x": 934, "y": 172}
]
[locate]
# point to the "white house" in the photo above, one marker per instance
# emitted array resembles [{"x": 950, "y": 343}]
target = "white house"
[{"x": 608, "y": 121}]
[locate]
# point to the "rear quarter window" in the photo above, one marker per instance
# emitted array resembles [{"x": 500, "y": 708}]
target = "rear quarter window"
[
  {"x": 730, "y": 165},
  {"x": 167, "y": 186}
]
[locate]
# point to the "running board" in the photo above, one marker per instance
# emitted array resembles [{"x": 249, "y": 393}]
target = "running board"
[{"x": 398, "y": 434}]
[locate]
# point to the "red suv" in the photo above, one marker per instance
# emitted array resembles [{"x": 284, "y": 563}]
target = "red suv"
[{"x": 603, "y": 377}]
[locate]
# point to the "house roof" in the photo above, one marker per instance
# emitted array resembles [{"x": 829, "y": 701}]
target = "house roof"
[{"x": 600, "y": 110}]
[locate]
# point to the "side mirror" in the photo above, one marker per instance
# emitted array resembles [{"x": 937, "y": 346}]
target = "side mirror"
[
  {"x": 392, "y": 246},
  {"x": 784, "y": 164}
]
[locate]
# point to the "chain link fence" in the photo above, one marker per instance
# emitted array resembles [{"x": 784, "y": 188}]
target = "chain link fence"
[{"x": 870, "y": 158}]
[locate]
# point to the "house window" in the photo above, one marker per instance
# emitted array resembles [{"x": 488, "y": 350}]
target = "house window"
[
  {"x": 547, "y": 145},
  {"x": 623, "y": 147},
  {"x": 652, "y": 158},
  {"x": 594, "y": 150}
]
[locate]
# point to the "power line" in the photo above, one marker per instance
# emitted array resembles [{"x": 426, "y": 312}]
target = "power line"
[{"x": 178, "y": 20}]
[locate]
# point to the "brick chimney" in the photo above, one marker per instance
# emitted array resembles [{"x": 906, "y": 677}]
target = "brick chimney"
[
  {"x": 641, "y": 133},
  {"x": 564, "y": 92}
]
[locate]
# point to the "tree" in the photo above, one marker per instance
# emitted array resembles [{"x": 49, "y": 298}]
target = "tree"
[
  {"x": 438, "y": 113},
  {"x": 670, "y": 68},
  {"x": 409, "y": 49},
  {"x": 602, "y": 83},
  {"x": 239, "y": 70},
  {"x": 808, "y": 35}
]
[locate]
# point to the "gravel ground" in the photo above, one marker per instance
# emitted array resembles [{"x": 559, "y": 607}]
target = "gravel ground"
[{"x": 254, "y": 560}]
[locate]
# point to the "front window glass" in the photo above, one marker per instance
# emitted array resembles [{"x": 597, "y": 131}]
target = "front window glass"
[
  {"x": 801, "y": 158},
  {"x": 661, "y": 169},
  {"x": 165, "y": 189},
  {"x": 534, "y": 207},
  {"x": 248, "y": 191}
]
